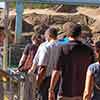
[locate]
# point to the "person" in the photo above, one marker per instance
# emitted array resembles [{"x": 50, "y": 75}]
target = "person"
[
  {"x": 40, "y": 29},
  {"x": 86, "y": 38},
  {"x": 71, "y": 66},
  {"x": 25, "y": 64},
  {"x": 2, "y": 36},
  {"x": 92, "y": 83},
  {"x": 63, "y": 38},
  {"x": 46, "y": 58},
  {"x": 30, "y": 50}
]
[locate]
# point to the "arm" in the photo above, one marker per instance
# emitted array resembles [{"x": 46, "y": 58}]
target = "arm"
[
  {"x": 22, "y": 60},
  {"x": 24, "y": 57},
  {"x": 40, "y": 59},
  {"x": 56, "y": 74},
  {"x": 54, "y": 79},
  {"x": 31, "y": 69},
  {"x": 89, "y": 84},
  {"x": 21, "y": 63}
]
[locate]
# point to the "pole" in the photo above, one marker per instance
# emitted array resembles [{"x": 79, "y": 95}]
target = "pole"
[
  {"x": 5, "y": 49},
  {"x": 19, "y": 13}
]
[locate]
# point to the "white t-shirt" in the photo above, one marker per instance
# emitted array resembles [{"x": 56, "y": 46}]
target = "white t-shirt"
[{"x": 47, "y": 55}]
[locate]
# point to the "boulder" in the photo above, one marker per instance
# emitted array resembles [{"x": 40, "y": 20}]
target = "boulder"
[
  {"x": 95, "y": 27},
  {"x": 33, "y": 19}
]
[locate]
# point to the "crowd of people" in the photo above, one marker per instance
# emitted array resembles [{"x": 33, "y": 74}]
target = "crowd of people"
[{"x": 66, "y": 67}]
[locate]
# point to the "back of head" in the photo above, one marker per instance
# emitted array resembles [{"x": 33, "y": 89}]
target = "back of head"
[
  {"x": 52, "y": 32},
  {"x": 72, "y": 29},
  {"x": 97, "y": 45},
  {"x": 36, "y": 38},
  {"x": 40, "y": 29}
]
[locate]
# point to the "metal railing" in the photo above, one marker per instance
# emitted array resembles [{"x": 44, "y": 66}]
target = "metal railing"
[
  {"x": 14, "y": 54},
  {"x": 18, "y": 87}
]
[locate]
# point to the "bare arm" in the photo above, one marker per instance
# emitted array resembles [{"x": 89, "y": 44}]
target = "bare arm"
[
  {"x": 22, "y": 60},
  {"x": 24, "y": 56},
  {"x": 54, "y": 79},
  {"x": 89, "y": 84},
  {"x": 32, "y": 68},
  {"x": 21, "y": 63}
]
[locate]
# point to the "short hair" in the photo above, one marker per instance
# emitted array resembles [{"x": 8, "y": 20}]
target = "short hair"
[
  {"x": 97, "y": 44},
  {"x": 40, "y": 29},
  {"x": 52, "y": 31},
  {"x": 72, "y": 29},
  {"x": 35, "y": 37}
]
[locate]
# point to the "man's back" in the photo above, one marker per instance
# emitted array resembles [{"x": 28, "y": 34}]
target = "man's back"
[{"x": 74, "y": 60}]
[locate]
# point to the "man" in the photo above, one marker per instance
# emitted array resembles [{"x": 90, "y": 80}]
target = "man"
[
  {"x": 45, "y": 59},
  {"x": 71, "y": 67}
]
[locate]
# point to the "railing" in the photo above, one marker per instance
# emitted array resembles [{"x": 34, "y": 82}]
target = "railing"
[{"x": 17, "y": 87}]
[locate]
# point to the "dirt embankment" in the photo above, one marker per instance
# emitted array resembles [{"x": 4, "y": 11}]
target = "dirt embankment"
[{"x": 89, "y": 17}]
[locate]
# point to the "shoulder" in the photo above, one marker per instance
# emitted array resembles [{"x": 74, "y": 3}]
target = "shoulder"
[
  {"x": 94, "y": 67},
  {"x": 43, "y": 44},
  {"x": 28, "y": 45},
  {"x": 63, "y": 41}
]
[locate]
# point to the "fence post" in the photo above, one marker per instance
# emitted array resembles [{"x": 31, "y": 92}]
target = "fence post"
[
  {"x": 19, "y": 13},
  {"x": 6, "y": 10}
]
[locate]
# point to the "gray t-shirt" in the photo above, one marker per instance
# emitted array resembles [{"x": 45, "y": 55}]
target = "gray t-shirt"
[{"x": 95, "y": 69}]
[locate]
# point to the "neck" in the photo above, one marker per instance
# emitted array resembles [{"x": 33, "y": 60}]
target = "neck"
[
  {"x": 52, "y": 39},
  {"x": 71, "y": 38}
]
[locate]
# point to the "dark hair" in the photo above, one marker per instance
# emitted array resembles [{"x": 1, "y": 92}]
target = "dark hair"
[
  {"x": 97, "y": 44},
  {"x": 76, "y": 30},
  {"x": 35, "y": 37},
  {"x": 52, "y": 31},
  {"x": 40, "y": 29},
  {"x": 72, "y": 29}
]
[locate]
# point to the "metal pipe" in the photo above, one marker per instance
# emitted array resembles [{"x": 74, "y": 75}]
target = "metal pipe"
[
  {"x": 5, "y": 48},
  {"x": 19, "y": 13}
]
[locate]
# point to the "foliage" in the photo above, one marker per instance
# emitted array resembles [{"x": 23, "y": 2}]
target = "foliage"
[{"x": 36, "y": 5}]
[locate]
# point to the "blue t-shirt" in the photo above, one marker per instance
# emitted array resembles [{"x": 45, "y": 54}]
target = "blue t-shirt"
[
  {"x": 63, "y": 41},
  {"x": 95, "y": 69}
]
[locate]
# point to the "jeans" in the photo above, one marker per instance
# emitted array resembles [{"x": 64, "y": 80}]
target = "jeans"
[{"x": 44, "y": 88}]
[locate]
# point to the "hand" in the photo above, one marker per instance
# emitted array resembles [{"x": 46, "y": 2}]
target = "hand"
[
  {"x": 51, "y": 95},
  {"x": 29, "y": 71},
  {"x": 16, "y": 71}
]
